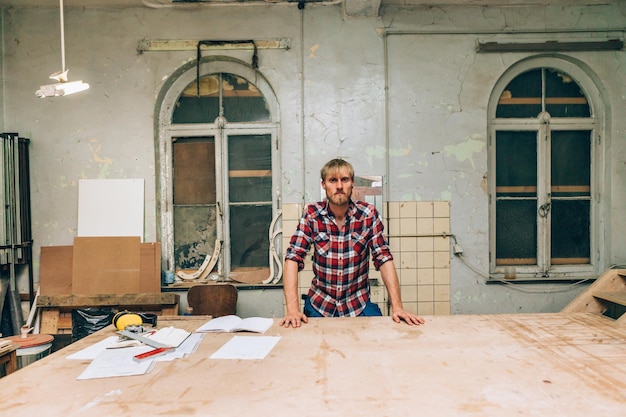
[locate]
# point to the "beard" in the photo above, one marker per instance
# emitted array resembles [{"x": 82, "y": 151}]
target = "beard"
[{"x": 339, "y": 199}]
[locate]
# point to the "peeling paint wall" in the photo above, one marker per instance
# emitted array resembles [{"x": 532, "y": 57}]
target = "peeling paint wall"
[{"x": 403, "y": 95}]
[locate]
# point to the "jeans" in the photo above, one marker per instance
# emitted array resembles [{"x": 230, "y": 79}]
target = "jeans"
[{"x": 371, "y": 310}]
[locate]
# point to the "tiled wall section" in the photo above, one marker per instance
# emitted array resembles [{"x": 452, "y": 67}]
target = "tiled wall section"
[{"x": 419, "y": 237}]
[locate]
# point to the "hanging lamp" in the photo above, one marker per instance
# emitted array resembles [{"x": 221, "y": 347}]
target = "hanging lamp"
[{"x": 62, "y": 87}]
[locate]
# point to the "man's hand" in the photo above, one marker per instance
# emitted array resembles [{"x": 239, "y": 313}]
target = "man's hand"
[
  {"x": 409, "y": 318},
  {"x": 296, "y": 319}
]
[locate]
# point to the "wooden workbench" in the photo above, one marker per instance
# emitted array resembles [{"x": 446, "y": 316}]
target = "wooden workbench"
[{"x": 483, "y": 365}]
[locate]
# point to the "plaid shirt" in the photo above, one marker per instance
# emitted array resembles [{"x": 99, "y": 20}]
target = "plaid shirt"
[{"x": 340, "y": 286}]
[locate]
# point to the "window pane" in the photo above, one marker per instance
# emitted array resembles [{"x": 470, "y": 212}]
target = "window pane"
[
  {"x": 564, "y": 98},
  {"x": 241, "y": 101},
  {"x": 249, "y": 152},
  {"x": 249, "y": 234},
  {"x": 250, "y": 168},
  {"x": 522, "y": 97},
  {"x": 516, "y": 232},
  {"x": 571, "y": 196},
  {"x": 250, "y": 181},
  {"x": 194, "y": 235},
  {"x": 516, "y": 197},
  {"x": 196, "y": 110},
  {"x": 250, "y": 189},
  {"x": 570, "y": 231},
  {"x": 198, "y": 105},
  {"x": 516, "y": 163},
  {"x": 245, "y": 109},
  {"x": 571, "y": 163},
  {"x": 194, "y": 170}
]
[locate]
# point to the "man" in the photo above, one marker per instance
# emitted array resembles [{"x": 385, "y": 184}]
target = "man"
[{"x": 343, "y": 233}]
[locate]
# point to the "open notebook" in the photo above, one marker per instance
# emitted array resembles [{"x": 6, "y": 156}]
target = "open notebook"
[{"x": 234, "y": 323}]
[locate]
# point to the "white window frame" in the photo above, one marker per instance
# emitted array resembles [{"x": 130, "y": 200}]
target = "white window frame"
[
  {"x": 166, "y": 132},
  {"x": 544, "y": 270}
]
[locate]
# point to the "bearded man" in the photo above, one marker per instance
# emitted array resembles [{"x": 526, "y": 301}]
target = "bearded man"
[{"x": 343, "y": 234}]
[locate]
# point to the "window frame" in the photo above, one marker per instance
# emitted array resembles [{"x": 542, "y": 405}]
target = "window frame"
[
  {"x": 220, "y": 130},
  {"x": 595, "y": 124}
]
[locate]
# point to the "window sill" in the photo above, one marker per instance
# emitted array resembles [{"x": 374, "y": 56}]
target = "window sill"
[
  {"x": 240, "y": 286},
  {"x": 540, "y": 280}
]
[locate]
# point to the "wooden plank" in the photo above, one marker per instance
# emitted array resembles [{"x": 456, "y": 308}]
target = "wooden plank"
[
  {"x": 160, "y": 45},
  {"x": 617, "y": 297},
  {"x": 569, "y": 261},
  {"x": 610, "y": 280},
  {"x": 537, "y": 100},
  {"x": 150, "y": 267},
  {"x": 516, "y": 189},
  {"x": 192, "y": 185},
  {"x": 170, "y": 311},
  {"x": 56, "y": 317},
  {"x": 55, "y": 272},
  {"x": 101, "y": 300},
  {"x": 241, "y": 173},
  {"x": 65, "y": 321},
  {"x": 516, "y": 261},
  {"x": 250, "y": 275},
  {"x": 49, "y": 321}
]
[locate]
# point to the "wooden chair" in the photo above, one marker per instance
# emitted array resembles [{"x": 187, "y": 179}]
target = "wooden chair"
[{"x": 213, "y": 299}]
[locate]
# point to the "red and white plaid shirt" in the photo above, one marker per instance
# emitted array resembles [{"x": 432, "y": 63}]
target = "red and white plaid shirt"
[{"x": 340, "y": 286}]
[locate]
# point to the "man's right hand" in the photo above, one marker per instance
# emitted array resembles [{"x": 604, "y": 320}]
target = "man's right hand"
[{"x": 294, "y": 319}]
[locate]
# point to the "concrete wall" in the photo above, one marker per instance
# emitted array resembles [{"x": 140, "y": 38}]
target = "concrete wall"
[{"x": 402, "y": 95}]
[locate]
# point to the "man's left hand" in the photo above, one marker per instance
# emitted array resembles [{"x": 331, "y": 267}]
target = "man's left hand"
[{"x": 409, "y": 318}]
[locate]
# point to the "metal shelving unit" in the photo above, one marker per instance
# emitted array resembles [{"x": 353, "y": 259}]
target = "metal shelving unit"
[{"x": 15, "y": 224}]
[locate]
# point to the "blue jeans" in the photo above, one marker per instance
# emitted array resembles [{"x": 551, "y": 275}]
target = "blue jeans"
[{"x": 371, "y": 310}]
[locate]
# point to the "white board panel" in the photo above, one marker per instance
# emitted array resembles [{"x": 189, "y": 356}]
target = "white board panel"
[{"x": 111, "y": 207}]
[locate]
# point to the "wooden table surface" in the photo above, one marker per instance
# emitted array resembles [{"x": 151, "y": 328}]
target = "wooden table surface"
[{"x": 465, "y": 365}]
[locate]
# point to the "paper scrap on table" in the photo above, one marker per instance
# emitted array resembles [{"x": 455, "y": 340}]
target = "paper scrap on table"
[
  {"x": 91, "y": 352},
  {"x": 246, "y": 347},
  {"x": 189, "y": 346},
  {"x": 117, "y": 362}
]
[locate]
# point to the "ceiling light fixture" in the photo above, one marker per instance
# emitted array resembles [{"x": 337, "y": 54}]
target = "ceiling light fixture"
[{"x": 62, "y": 87}]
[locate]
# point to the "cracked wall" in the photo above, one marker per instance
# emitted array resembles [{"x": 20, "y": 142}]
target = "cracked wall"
[{"x": 403, "y": 95}]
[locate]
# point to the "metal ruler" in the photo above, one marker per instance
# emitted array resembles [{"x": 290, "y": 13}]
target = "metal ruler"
[{"x": 142, "y": 339}]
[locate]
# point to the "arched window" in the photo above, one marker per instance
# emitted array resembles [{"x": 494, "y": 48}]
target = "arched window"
[
  {"x": 219, "y": 167},
  {"x": 544, "y": 143}
]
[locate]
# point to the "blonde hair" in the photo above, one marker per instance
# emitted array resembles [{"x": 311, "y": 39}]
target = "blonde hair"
[{"x": 335, "y": 165}]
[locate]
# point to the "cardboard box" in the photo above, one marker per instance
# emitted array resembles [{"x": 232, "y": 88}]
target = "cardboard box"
[{"x": 101, "y": 265}]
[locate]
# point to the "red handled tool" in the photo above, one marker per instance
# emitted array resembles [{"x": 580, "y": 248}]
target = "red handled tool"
[{"x": 152, "y": 353}]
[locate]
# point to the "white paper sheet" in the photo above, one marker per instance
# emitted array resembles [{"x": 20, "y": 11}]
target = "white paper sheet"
[
  {"x": 246, "y": 347},
  {"x": 91, "y": 352},
  {"x": 185, "y": 349},
  {"x": 117, "y": 362}
]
